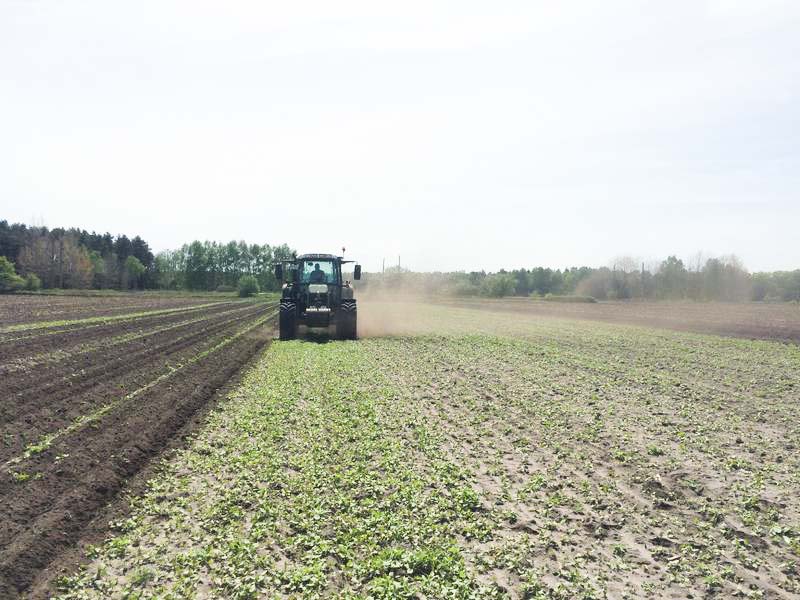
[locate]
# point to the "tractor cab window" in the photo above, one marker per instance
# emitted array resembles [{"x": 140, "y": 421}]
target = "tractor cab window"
[{"x": 318, "y": 271}]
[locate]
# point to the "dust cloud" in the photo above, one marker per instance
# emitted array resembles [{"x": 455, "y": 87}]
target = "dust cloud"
[
  {"x": 382, "y": 315},
  {"x": 387, "y": 315}
]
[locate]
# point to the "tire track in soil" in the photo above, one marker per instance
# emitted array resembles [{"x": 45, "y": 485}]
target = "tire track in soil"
[
  {"x": 46, "y": 515},
  {"x": 60, "y": 399},
  {"x": 23, "y": 331}
]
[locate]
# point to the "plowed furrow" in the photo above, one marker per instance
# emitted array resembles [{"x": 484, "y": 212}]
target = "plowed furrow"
[
  {"x": 22, "y": 367},
  {"x": 72, "y": 360},
  {"x": 47, "y": 514},
  {"x": 56, "y": 403},
  {"x": 19, "y": 309},
  {"x": 21, "y": 344}
]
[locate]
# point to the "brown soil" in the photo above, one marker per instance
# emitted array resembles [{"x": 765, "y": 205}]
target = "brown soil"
[
  {"x": 50, "y": 396},
  {"x": 752, "y": 320},
  {"x": 22, "y": 308},
  {"x": 49, "y": 499},
  {"x": 25, "y": 344}
]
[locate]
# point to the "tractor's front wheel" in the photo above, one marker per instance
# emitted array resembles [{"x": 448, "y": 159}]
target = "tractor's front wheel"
[
  {"x": 347, "y": 322},
  {"x": 287, "y": 321}
]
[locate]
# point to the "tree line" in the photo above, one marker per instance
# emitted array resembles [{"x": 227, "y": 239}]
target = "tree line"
[
  {"x": 77, "y": 259},
  {"x": 219, "y": 266},
  {"x": 721, "y": 278},
  {"x": 74, "y": 258}
]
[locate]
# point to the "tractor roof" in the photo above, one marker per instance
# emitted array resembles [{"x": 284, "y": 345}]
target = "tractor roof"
[{"x": 318, "y": 257}]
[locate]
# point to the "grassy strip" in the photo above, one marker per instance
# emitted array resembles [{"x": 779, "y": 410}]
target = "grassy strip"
[
  {"x": 572, "y": 299},
  {"x": 316, "y": 479},
  {"x": 101, "y": 319},
  {"x": 47, "y": 440}
]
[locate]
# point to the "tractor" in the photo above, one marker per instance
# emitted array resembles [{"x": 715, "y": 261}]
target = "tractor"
[{"x": 315, "y": 295}]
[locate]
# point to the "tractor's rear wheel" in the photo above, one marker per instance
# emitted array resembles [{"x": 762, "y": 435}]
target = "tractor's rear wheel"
[
  {"x": 347, "y": 322},
  {"x": 287, "y": 321}
]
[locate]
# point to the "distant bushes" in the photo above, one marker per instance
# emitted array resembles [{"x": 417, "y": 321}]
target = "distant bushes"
[
  {"x": 497, "y": 285},
  {"x": 573, "y": 299},
  {"x": 706, "y": 279},
  {"x": 33, "y": 283},
  {"x": 9, "y": 280},
  {"x": 778, "y": 286},
  {"x": 248, "y": 286}
]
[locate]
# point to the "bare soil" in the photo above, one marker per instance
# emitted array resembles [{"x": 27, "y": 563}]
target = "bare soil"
[
  {"x": 638, "y": 462},
  {"x": 753, "y": 320},
  {"x": 30, "y": 343},
  {"x": 24, "y": 308}
]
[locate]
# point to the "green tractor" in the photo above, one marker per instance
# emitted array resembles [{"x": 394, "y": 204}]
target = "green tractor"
[{"x": 314, "y": 294}]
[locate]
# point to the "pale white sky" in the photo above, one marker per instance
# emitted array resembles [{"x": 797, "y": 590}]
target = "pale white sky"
[{"x": 460, "y": 135}]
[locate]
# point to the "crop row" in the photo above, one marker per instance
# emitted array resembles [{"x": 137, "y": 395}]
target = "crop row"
[
  {"x": 28, "y": 308},
  {"x": 52, "y": 394},
  {"x": 142, "y": 331},
  {"x": 103, "y": 319},
  {"x": 87, "y": 419}
]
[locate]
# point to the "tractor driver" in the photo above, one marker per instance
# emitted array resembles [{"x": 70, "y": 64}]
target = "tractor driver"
[{"x": 317, "y": 275}]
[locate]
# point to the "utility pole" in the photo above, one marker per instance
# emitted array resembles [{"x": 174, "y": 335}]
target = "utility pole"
[
  {"x": 643, "y": 291},
  {"x": 61, "y": 261},
  {"x": 383, "y": 268},
  {"x": 398, "y": 262}
]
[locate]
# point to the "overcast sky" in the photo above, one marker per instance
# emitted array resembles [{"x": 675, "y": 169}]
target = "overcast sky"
[{"x": 459, "y": 135}]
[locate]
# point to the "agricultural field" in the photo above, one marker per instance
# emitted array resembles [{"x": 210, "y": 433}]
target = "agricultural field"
[
  {"x": 756, "y": 320},
  {"x": 26, "y": 309},
  {"x": 90, "y": 390},
  {"x": 463, "y": 453}
]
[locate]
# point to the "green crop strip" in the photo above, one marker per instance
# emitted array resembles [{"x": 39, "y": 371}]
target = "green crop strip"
[{"x": 316, "y": 478}]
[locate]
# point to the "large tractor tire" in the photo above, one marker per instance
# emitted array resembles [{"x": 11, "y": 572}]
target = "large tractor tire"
[
  {"x": 287, "y": 321},
  {"x": 347, "y": 321}
]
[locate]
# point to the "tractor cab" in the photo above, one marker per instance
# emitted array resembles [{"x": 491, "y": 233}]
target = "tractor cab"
[{"x": 314, "y": 294}]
